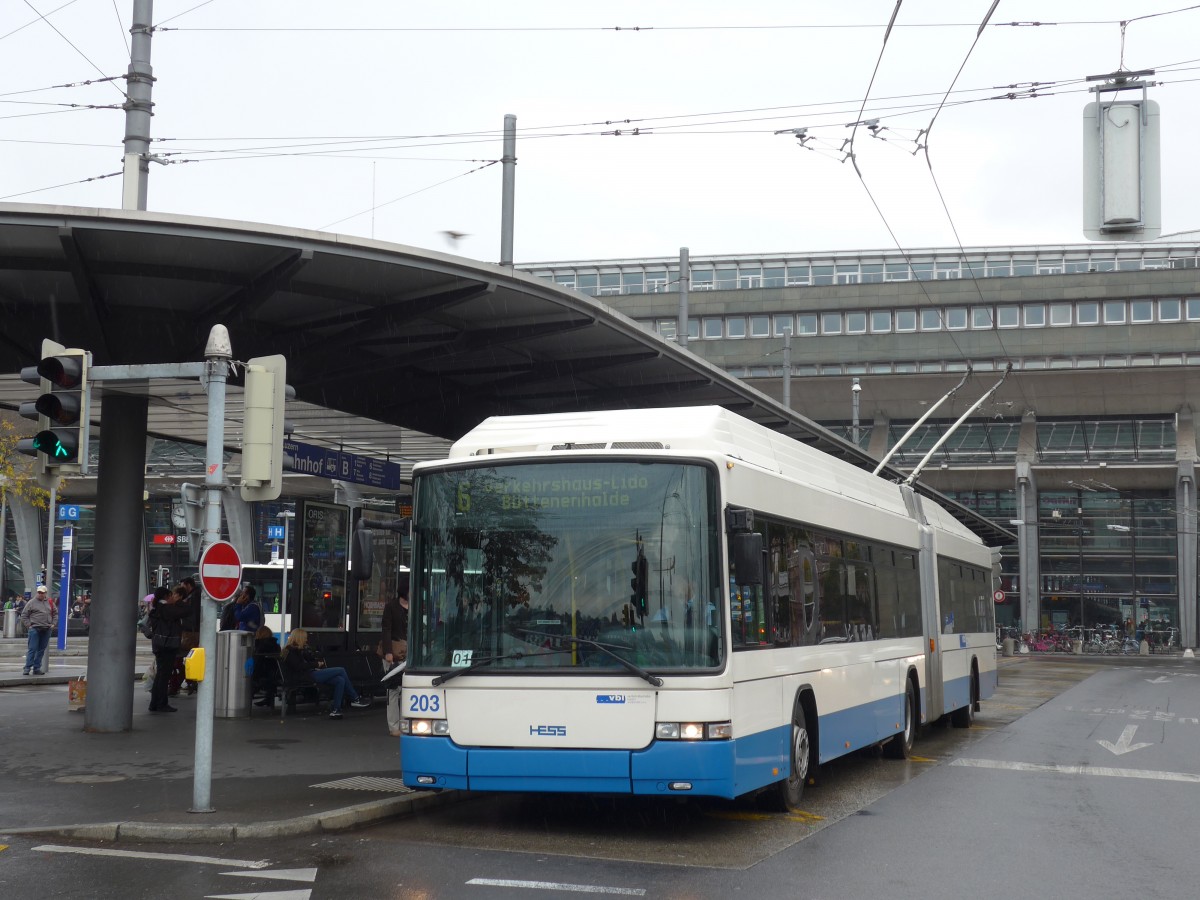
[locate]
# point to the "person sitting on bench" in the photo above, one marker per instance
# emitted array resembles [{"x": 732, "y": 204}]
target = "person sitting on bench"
[
  {"x": 302, "y": 664},
  {"x": 266, "y": 651}
]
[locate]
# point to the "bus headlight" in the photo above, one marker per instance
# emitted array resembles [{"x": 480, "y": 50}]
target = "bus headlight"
[
  {"x": 424, "y": 727},
  {"x": 693, "y": 731}
]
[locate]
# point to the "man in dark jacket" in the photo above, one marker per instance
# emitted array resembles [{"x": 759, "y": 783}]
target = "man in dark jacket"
[
  {"x": 395, "y": 648},
  {"x": 166, "y": 617}
]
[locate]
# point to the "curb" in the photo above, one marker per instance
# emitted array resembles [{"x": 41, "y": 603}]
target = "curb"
[{"x": 343, "y": 819}]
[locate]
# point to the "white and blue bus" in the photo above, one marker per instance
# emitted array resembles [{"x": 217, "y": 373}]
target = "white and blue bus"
[{"x": 677, "y": 602}]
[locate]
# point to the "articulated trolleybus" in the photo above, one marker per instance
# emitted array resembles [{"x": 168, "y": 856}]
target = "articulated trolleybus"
[{"x": 677, "y": 602}]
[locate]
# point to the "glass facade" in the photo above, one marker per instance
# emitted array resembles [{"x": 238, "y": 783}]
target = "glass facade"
[{"x": 1108, "y": 559}]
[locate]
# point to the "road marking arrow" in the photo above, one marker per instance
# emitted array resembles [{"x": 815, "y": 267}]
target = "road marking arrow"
[
  {"x": 1161, "y": 679},
  {"x": 1123, "y": 745}
]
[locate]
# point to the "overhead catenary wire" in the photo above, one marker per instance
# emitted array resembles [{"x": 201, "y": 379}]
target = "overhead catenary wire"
[{"x": 69, "y": 41}]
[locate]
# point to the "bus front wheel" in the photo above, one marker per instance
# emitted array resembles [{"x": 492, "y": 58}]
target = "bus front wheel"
[{"x": 785, "y": 796}]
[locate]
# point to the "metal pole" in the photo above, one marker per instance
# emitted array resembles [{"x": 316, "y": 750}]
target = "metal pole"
[
  {"x": 138, "y": 109},
  {"x": 287, "y": 573},
  {"x": 1079, "y": 528},
  {"x": 787, "y": 370},
  {"x": 3, "y": 534},
  {"x": 47, "y": 567},
  {"x": 509, "y": 189},
  {"x": 685, "y": 278},
  {"x": 217, "y": 355},
  {"x": 855, "y": 390}
]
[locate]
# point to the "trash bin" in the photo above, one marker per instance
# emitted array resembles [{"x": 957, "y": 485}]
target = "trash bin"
[
  {"x": 235, "y": 656},
  {"x": 10, "y": 623},
  {"x": 1077, "y": 647},
  {"x": 1009, "y": 644}
]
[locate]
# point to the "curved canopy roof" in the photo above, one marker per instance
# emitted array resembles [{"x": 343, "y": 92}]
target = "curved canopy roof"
[{"x": 385, "y": 344}]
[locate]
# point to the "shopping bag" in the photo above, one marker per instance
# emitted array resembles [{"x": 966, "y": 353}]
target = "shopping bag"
[
  {"x": 148, "y": 678},
  {"x": 77, "y": 693}
]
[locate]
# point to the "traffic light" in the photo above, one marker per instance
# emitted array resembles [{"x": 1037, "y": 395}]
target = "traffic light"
[
  {"x": 640, "y": 580},
  {"x": 262, "y": 427},
  {"x": 62, "y": 411}
]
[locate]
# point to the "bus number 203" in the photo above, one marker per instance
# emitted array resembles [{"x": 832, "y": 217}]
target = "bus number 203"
[{"x": 424, "y": 703}]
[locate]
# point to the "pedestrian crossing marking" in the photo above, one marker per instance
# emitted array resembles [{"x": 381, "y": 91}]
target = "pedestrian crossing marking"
[{"x": 367, "y": 783}]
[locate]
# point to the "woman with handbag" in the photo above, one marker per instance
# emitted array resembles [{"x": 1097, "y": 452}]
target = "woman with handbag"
[{"x": 166, "y": 619}]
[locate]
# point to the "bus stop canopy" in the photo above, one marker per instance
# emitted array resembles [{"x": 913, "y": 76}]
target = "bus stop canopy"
[{"x": 392, "y": 350}]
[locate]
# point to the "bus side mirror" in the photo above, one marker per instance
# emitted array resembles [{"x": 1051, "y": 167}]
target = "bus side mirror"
[{"x": 746, "y": 554}]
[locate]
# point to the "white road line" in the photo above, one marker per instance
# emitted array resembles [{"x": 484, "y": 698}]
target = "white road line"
[
  {"x": 558, "y": 886},
  {"x": 1106, "y": 771},
  {"x": 264, "y": 895},
  {"x": 308, "y": 874},
  {"x": 163, "y": 857}
]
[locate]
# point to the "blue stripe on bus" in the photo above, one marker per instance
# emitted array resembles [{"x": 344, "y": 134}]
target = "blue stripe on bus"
[{"x": 713, "y": 768}]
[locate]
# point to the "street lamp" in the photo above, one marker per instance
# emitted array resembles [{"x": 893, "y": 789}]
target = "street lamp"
[
  {"x": 287, "y": 515},
  {"x": 855, "y": 390}
]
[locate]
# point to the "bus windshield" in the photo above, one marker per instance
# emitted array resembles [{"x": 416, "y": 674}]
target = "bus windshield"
[{"x": 567, "y": 565}]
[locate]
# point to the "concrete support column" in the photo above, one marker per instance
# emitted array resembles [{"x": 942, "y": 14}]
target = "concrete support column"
[
  {"x": 1028, "y": 550},
  {"x": 119, "y": 539},
  {"x": 31, "y": 536},
  {"x": 880, "y": 431},
  {"x": 1185, "y": 525}
]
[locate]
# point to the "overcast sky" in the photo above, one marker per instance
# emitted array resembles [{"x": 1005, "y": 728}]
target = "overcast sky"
[{"x": 384, "y": 119}]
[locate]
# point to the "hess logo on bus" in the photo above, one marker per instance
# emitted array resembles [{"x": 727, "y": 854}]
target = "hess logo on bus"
[{"x": 547, "y": 730}]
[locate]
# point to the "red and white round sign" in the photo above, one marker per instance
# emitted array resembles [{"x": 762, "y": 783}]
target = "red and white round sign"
[
  {"x": 998, "y": 596},
  {"x": 220, "y": 570}
]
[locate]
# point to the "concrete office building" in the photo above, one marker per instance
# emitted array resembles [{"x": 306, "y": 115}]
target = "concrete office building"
[{"x": 1088, "y": 448}]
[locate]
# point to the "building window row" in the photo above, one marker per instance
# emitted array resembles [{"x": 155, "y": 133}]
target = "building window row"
[
  {"x": 937, "y": 318},
  {"x": 912, "y": 367},
  {"x": 644, "y": 278}
]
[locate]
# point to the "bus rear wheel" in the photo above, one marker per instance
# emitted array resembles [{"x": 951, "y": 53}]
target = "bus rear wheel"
[
  {"x": 899, "y": 746},
  {"x": 785, "y": 796}
]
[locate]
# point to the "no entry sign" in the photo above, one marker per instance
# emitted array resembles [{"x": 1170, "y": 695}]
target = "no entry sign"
[{"x": 220, "y": 570}]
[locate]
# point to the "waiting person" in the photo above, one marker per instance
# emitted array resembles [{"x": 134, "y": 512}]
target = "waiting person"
[
  {"x": 303, "y": 664},
  {"x": 37, "y": 616},
  {"x": 249, "y": 613},
  {"x": 395, "y": 648},
  {"x": 191, "y": 622},
  {"x": 266, "y": 651},
  {"x": 166, "y": 618},
  {"x": 179, "y": 596}
]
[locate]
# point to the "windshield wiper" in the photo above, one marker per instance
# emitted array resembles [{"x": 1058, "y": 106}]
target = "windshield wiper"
[
  {"x": 483, "y": 661},
  {"x": 603, "y": 648}
]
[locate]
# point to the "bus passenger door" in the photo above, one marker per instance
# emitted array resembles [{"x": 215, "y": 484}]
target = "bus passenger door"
[{"x": 927, "y": 566}]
